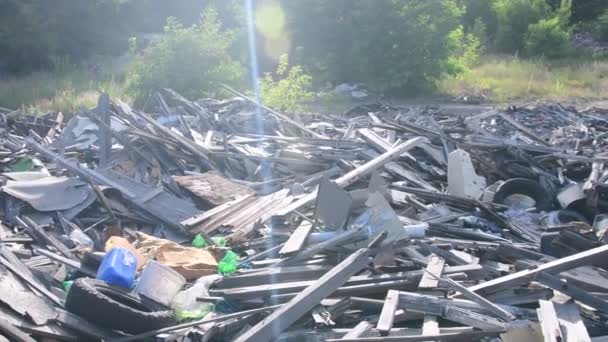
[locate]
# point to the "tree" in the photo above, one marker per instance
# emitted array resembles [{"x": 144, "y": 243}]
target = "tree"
[
  {"x": 188, "y": 59},
  {"x": 514, "y": 17},
  {"x": 389, "y": 44}
]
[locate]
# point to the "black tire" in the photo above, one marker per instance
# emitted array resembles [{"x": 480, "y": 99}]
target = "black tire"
[
  {"x": 113, "y": 308},
  {"x": 526, "y": 187}
]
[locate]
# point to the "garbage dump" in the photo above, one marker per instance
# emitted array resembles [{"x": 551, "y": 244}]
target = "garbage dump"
[{"x": 223, "y": 220}]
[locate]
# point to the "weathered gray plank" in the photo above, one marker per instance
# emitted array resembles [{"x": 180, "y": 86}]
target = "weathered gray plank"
[
  {"x": 282, "y": 318},
  {"x": 297, "y": 239},
  {"x": 549, "y": 322},
  {"x": 555, "y": 266},
  {"x": 573, "y": 327},
  {"x": 387, "y": 315}
]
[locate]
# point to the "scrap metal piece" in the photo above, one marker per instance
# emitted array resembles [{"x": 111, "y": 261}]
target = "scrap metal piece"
[
  {"x": 333, "y": 205},
  {"x": 462, "y": 179}
]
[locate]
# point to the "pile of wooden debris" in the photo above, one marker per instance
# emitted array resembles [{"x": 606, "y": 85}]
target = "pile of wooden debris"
[{"x": 384, "y": 223}]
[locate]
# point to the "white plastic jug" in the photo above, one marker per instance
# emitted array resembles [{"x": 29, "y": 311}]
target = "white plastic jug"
[{"x": 159, "y": 283}]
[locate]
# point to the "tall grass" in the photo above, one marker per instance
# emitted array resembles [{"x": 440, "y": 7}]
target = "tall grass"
[
  {"x": 505, "y": 79},
  {"x": 63, "y": 89}
]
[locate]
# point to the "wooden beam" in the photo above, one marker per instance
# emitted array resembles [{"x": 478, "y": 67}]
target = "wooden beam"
[
  {"x": 549, "y": 323},
  {"x": 297, "y": 239},
  {"x": 284, "y": 317},
  {"x": 473, "y": 319},
  {"x": 448, "y": 336},
  {"x": 387, "y": 315},
  {"x": 359, "y": 330},
  {"x": 572, "y": 291},
  {"x": 277, "y": 114},
  {"x": 552, "y": 267},
  {"x": 495, "y": 309},
  {"x": 357, "y": 173},
  {"x": 14, "y": 333},
  {"x": 432, "y": 275},
  {"x": 31, "y": 281},
  {"x": 430, "y": 280},
  {"x": 570, "y": 318}
]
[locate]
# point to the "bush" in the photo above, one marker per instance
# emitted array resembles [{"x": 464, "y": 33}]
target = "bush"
[
  {"x": 514, "y": 17},
  {"x": 600, "y": 27},
  {"x": 290, "y": 92},
  {"x": 387, "y": 44},
  {"x": 190, "y": 60},
  {"x": 466, "y": 50},
  {"x": 479, "y": 12},
  {"x": 547, "y": 38}
]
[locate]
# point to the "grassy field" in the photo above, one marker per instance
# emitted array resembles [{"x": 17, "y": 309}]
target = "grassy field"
[
  {"x": 502, "y": 79},
  {"x": 67, "y": 88},
  {"x": 507, "y": 79}
]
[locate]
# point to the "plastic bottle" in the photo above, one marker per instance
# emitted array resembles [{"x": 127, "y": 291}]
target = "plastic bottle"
[
  {"x": 118, "y": 268},
  {"x": 81, "y": 238}
]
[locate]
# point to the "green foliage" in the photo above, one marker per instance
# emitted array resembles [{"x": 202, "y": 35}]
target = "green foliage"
[
  {"x": 548, "y": 38},
  {"x": 388, "y": 44},
  {"x": 514, "y": 17},
  {"x": 188, "y": 59},
  {"x": 480, "y": 31},
  {"x": 466, "y": 49},
  {"x": 507, "y": 79},
  {"x": 600, "y": 27},
  {"x": 291, "y": 91},
  {"x": 34, "y": 32},
  {"x": 479, "y": 12}
]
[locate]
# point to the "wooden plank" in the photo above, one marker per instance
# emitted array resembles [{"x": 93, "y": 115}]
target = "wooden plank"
[
  {"x": 359, "y": 330},
  {"x": 104, "y": 133},
  {"x": 284, "y": 317},
  {"x": 340, "y": 238},
  {"x": 387, "y": 315},
  {"x": 31, "y": 281},
  {"x": 272, "y": 275},
  {"x": 434, "y": 305},
  {"x": 447, "y": 336},
  {"x": 430, "y": 278},
  {"x": 277, "y": 114},
  {"x": 552, "y": 267},
  {"x": 297, "y": 239},
  {"x": 430, "y": 326},
  {"x": 549, "y": 323},
  {"x": 523, "y": 129},
  {"x": 473, "y": 319},
  {"x": 37, "y": 232},
  {"x": 14, "y": 333},
  {"x": 495, "y": 309},
  {"x": 572, "y": 291},
  {"x": 356, "y": 174},
  {"x": 573, "y": 327}
]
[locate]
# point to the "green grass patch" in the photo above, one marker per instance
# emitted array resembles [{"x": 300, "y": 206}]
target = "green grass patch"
[
  {"x": 65, "y": 91},
  {"x": 505, "y": 79}
]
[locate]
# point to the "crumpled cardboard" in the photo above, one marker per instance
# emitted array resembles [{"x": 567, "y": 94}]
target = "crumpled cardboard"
[{"x": 190, "y": 262}]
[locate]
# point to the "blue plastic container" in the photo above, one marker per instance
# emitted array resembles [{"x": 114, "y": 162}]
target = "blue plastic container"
[{"x": 118, "y": 268}]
